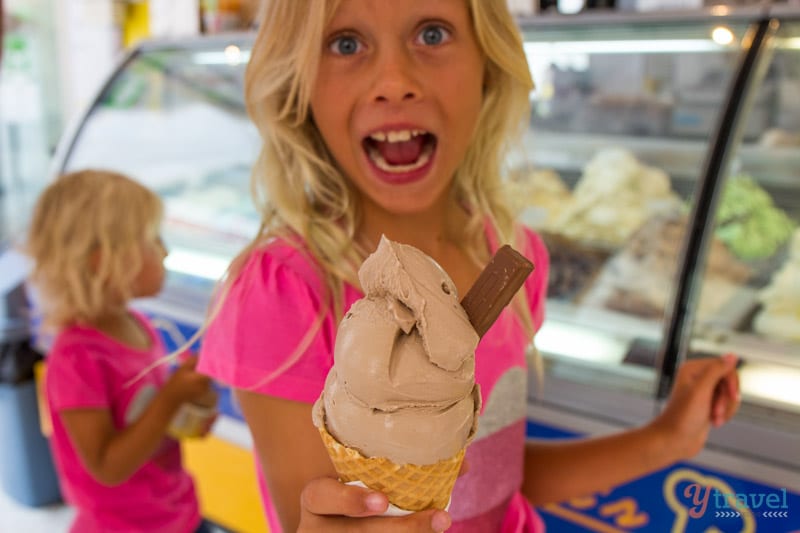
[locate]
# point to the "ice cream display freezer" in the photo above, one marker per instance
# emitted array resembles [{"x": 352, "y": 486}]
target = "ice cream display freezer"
[{"x": 662, "y": 167}]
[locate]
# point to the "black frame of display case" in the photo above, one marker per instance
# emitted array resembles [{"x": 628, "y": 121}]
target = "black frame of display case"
[{"x": 727, "y": 135}]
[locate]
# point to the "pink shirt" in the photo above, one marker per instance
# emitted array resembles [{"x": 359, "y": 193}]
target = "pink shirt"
[
  {"x": 278, "y": 296},
  {"x": 87, "y": 369}
]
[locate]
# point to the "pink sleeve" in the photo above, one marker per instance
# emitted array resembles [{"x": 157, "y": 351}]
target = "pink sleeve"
[
  {"x": 76, "y": 379},
  {"x": 260, "y": 339},
  {"x": 536, "y": 284}
]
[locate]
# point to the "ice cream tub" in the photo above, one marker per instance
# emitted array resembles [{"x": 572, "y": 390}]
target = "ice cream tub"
[{"x": 192, "y": 420}]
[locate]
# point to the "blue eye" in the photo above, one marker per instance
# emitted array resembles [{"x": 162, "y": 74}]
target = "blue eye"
[
  {"x": 433, "y": 35},
  {"x": 345, "y": 45}
]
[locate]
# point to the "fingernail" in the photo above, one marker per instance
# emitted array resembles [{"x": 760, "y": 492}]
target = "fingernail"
[
  {"x": 375, "y": 501},
  {"x": 440, "y": 521}
]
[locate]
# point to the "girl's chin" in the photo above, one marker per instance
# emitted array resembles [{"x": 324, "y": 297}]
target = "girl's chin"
[{"x": 399, "y": 203}]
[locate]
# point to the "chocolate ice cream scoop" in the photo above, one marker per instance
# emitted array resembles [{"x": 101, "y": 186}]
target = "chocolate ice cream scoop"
[{"x": 403, "y": 382}]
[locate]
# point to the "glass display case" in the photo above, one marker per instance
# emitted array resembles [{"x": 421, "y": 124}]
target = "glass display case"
[
  {"x": 623, "y": 117},
  {"x": 615, "y": 170},
  {"x": 757, "y": 219},
  {"x": 661, "y": 167},
  {"x": 173, "y": 117},
  {"x": 639, "y": 133}
]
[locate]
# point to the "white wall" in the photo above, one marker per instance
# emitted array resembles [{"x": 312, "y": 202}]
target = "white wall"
[{"x": 89, "y": 44}]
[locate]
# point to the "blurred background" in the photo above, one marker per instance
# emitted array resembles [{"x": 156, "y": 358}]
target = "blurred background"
[{"x": 58, "y": 53}]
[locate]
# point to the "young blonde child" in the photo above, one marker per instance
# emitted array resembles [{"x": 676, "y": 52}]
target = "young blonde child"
[
  {"x": 392, "y": 118},
  {"x": 94, "y": 239}
]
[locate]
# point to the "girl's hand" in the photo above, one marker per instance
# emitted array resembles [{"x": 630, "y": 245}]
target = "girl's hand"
[
  {"x": 186, "y": 385},
  {"x": 208, "y": 425},
  {"x": 328, "y": 505},
  {"x": 705, "y": 394}
]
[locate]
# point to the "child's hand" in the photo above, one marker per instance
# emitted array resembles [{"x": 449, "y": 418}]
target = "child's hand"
[
  {"x": 209, "y": 399},
  {"x": 705, "y": 394},
  {"x": 186, "y": 385},
  {"x": 208, "y": 425},
  {"x": 328, "y": 505}
]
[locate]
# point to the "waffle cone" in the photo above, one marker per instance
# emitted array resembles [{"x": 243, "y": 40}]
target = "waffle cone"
[{"x": 408, "y": 486}]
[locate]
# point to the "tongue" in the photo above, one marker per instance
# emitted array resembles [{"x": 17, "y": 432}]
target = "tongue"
[{"x": 401, "y": 153}]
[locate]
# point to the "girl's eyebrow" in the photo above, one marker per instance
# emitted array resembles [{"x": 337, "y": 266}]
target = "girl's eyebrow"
[{"x": 341, "y": 19}]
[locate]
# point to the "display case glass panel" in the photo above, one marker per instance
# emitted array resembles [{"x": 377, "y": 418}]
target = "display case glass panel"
[
  {"x": 623, "y": 115},
  {"x": 173, "y": 117},
  {"x": 757, "y": 221}
]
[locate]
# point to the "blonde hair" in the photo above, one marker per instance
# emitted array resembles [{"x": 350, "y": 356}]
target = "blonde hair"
[
  {"x": 85, "y": 240},
  {"x": 295, "y": 183}
]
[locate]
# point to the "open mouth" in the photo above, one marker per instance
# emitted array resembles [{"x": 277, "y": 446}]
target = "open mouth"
[{"x": 400, "y": 152}]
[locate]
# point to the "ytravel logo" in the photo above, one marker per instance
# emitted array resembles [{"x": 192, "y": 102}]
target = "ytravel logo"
[
  {"x": 689, "y": 494},
  {"x": 732, "y": 504}
]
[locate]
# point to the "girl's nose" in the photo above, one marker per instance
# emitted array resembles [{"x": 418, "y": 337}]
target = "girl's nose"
[{"x": 395, "y": 78}]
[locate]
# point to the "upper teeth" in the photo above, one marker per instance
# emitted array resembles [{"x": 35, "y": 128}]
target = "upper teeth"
[{"x": 395, "y": 136}]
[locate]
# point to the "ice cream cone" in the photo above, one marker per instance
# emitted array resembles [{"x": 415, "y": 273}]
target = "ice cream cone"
[
  {"x": 408, "y": 486},
  {"x": 400, "y": 404}
]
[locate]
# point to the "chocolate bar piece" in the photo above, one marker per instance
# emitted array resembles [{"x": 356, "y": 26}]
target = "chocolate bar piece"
[{"x": 495, "y": 287}]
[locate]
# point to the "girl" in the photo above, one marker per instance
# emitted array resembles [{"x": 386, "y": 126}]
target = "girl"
[
  {"x": 94, "y": 239},
  {"x": 391, "y": 118}
]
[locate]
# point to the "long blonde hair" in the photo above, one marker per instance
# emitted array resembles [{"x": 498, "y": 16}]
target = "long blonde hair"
[
  {"x": 85, "y": 241},
  {"x": 296, "y": 185}
]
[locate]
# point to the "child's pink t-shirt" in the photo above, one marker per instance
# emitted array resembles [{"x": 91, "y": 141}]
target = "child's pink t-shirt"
[
  {"x": 277, "y": 297},
  {"x": 86, "y": 369}
]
